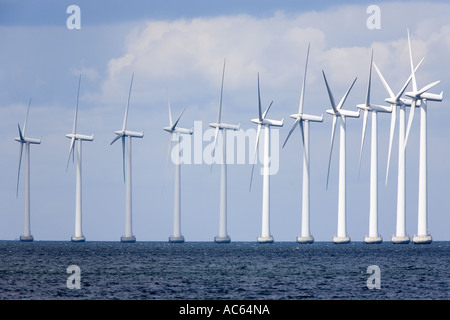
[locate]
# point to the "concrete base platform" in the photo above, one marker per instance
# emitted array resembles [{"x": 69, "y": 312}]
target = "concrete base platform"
[
  {"x": 265, "y": 239},
  {"x": 373, "y": 240},
  {"x": 218, "y": 239},
  {"x": 400, "y": 239},
  {"x": 78, "y": 239},
  {"x": 179, "y": 239},
  {"x": 128, "y": 239},
  {"x": 341, "y": 240},
  {"x": 305, "y": 240},
  {"x": 26, "y": 238},
  {"x": 422, "y": 239}
]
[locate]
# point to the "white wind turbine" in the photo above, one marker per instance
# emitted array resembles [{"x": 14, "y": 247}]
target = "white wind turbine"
[
  {"x": 338, "y": 112},
  {"x": 174, "y": 130},
  {"x": 223, "y": 237},
  {"x": 422, "y": 97},
  {"x": 74, "y": 136},
  {"x": 265, "y": 237},
  {"x": 367, "y": 107},
  {"x": 125, "y": 134},
  {"x": 23, "y": 139},
  {"x": 303, "y": 120},
  {"x": 399, "y": 103}
]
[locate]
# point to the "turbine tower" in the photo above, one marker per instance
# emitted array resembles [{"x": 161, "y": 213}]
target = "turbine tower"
[
  {"x": 265, "y": 237},
  {"x": 423, "y": 236},
  {"x": 399, "y": 103},
  {"x": 174, "y": 130},
  {"x": 223, "y": 236},
  {"x": 338, "y": 112},
  {"x": 303, "y": 120},
  {"x": 367, "y": 107},
  {"x": 74, "y": 136},
  {"x": 126, "y": 136},
  {"x": 24, "y": 140}
]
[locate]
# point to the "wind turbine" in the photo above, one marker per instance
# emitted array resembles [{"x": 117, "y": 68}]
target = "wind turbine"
[
  {"x": 338, "y": 112},
  {"x": 265, "y": 237},
  {"x": 124, "y": 134},
  {"x": 74, "y": 137},
  {"x": 24, "y": 140},
  {"x": 303, "y": 120},
  {"x": 223, "y": 237},
  {"x": 174, "y": 130},
  {"x": 399, "y": 103},
  {"x": 421, "y": 95},
  {"x": 367, "y": 107}
]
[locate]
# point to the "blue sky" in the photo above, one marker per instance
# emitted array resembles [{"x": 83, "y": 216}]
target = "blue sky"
[{"x": 179, "y": 46}]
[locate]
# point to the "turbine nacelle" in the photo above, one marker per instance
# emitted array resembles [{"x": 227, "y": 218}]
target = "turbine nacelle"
[
  {"x": 80, "y": 137},
  {"x": 425, "y": 96},
  {"x": 308, "y": 117},
  {"x": 269, "y": 122},
  {"x": 344, "y": 113},
  {"x": 127, "y": 133},
  {"x": 225, "y": 126},
  {"x": 28, "y": 140}
]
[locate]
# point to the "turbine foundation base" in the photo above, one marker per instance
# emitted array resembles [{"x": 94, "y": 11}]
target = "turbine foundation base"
[
  {"x": 219, "y": 239},
  {"x": 305, "y": 240},
  {"x": 341, "y": 240},
  {"x": 179, "y": 239},
  {"x": 26, "y": 238},
  {"x": 78, "y": 239},
  {"x": 426, "y": 239},
  {"x": 400, "y": 239},
  {"x": 130, "y": 239},
  {"x": 268, "y": 239},
  {"x": 373, "y": 240}
]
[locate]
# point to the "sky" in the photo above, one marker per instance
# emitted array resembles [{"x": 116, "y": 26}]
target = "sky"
[{"x": 176, "y": 49}]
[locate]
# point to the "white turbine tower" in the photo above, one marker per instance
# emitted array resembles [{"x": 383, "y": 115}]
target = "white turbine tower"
[
  {"x": 265, "y": 237},
  {"x": 303, "y": 120},
  {"x": 174, "y": 130},
  {"x": 399, "y": 103},
  {"x": 223, "y": 236},
  {"x": 423, "y": 97},
  {"x": 125, "y": 134},
  {"x": 338, "y": 112},
  {"x": 367, "y": 107},
  {"x": 24, "y": 140},
  {"x": 74, "y": 136}
]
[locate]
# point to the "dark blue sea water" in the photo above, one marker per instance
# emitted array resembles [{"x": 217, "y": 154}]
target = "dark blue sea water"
[{"x": 235, "y": 271}]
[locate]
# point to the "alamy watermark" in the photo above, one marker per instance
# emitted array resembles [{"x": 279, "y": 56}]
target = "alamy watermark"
[
  {"x": 374, "y": 281},
  {"x": 74, "y": 280},
  {"x": 198, "y": 148},
  {"x": 74, "y": 20},
  {"x": 374, "y": 20}
]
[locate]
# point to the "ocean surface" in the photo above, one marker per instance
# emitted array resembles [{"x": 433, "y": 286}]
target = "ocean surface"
[{"x": 234, "y": 271}]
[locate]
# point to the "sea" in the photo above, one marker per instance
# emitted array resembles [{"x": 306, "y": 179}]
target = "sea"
[{"x": 245, "y": 271}]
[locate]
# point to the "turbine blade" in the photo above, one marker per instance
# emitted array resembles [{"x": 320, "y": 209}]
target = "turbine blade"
[
  {"x": 333, "y": 104},
  {"x": 302, "y": 96},
  {"x": 410, "y": 120},
  {"x": 302, "y": 133},
  {"x": 428, "y": 87},
  {"x": 116, "y": 138},
  {"x": 254, "y": 157},
  {"x": 391, "y": 138},
  {"x": 215, "y": 142},
  {"x": 72, "y": 143},
  {"x": 259, "y": 102},
  {"x": 369, "y": 82},
  {"x": 170, "y": 111},
  {"x": 221, "y": 93},
  {"x": 179, "y": 117},
  {"x": 20, "y": 134},
  {"x": 267, "y": 110},
  {"x": 385, "y": 84},
  {"x": 123, "y": 156},
  {"x": 333, "y": 130},
  {"x": 168, "y": 149},
  {"x": 128, "y": 104},
  {"x": 26, "y": 118},
  {"x": 414, "y": 83},
  {"x": 363, "y": 136},
  {"x": 18, "y": 171},
  {"x": 341, "y": 103},
  {"x": 76, "y": 108},
  {"x": 292, "y": 130}
]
